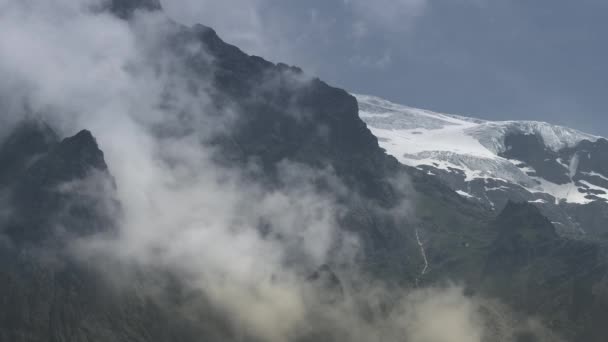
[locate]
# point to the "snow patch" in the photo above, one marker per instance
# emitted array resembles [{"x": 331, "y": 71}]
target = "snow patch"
[
  {"x": 459, "y": 133},
  {"x": 596, "y": 188},
  {"x": 568, "y": 192},
  {"x": 468, "y": 146},
  {"x": 464, "y": 194},
  {"x": 573, "y": 167},
  {"x": 595, "y": 174}
]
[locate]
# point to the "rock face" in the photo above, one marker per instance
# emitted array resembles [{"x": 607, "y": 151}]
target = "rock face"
[
  {"x": 539, "y": 272},
  {"x": 44, "y": 179},
  {"x": 531, "y": 150},
  {"x": 57, "y": 190},
  {"x": 561, "y": 170},
  {"x": 414, "y": 229}
]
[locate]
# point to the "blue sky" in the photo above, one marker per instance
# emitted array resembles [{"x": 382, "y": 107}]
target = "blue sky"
[{"x": 517, "y": 59}]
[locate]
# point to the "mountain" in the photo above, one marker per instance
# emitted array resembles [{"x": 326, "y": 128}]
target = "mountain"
[
  {"x": 37, "y": 167},
  {"x": 561, "y": 170},
  {"x": 531, "y": 265},
  {"x": 412, "y": 230}
]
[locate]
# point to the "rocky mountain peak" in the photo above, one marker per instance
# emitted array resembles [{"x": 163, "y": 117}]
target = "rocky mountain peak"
[
  {"x": 35, "y": 169},
  {"x": 562, "y": 171}
]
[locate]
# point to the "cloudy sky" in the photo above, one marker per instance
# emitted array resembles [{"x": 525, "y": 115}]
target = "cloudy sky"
[{"x": 519, "y": 59}]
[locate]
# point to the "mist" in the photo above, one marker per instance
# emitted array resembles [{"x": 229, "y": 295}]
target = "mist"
[{"x": 257, "y": 254}]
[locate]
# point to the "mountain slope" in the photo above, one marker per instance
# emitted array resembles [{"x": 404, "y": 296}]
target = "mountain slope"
[
  {"x": 492, "y": 162},
  {"x": 40, "y": 177},
  {"x": 413, "y": 230}
]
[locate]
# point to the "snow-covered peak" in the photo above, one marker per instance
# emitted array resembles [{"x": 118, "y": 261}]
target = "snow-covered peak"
[
  {"x": 474, "y": 150},
  {"x": 491, "y": 134},
  {"x": 383, "y": 114}
]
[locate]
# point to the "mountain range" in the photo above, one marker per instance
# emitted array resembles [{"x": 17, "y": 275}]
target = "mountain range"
[
  {"x": 512, "y": 211},
  {"x": 560, "y": 170}
]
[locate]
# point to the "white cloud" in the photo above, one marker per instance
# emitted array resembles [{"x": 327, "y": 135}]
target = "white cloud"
[
  {"x": 374, "y": 62},
  {"x": 391, "y": 15},
  {"x": 182, "y": 212}
]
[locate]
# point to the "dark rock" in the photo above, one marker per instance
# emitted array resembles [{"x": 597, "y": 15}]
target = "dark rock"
[
  {"x": 53, "y": 184},
  {"x": 283, "y": 115},
  {"x": 531, "y": 149}
]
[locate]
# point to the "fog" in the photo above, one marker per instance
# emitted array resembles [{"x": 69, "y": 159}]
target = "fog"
[{"x": 247, "y": 248}]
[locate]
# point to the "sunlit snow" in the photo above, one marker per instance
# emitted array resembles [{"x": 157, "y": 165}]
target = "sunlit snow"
[{"x": 418, "y": 137}]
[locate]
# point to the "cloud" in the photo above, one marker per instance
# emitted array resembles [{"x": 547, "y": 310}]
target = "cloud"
[
  {"x": 283, "y": 32},
  {"x": 442, "y": 315},
  {"x": 379, "y": 62},
  {"x": 244, "y": 23},
  {"x": 222, "y": 234},
  {"x": 246, "y": 248},
  {"x": 391, "y": 15}
]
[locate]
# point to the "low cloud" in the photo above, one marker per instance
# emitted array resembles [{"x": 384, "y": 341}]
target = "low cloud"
[
  {"x": 247, "y": 248},
  {"x": 378, "y": 62},
  {"x": 390, "y": 15}
]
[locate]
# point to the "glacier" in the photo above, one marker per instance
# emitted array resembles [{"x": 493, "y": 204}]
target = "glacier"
[{"x": 474, "y": 148}]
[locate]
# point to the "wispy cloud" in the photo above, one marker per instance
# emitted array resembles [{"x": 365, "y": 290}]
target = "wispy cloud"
[
  {"x": 247, "y": 248},
  {"x": 278, "y": 32},
  {"x": 374, "y": 62},
  {"x": 391, "y": 15}
]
